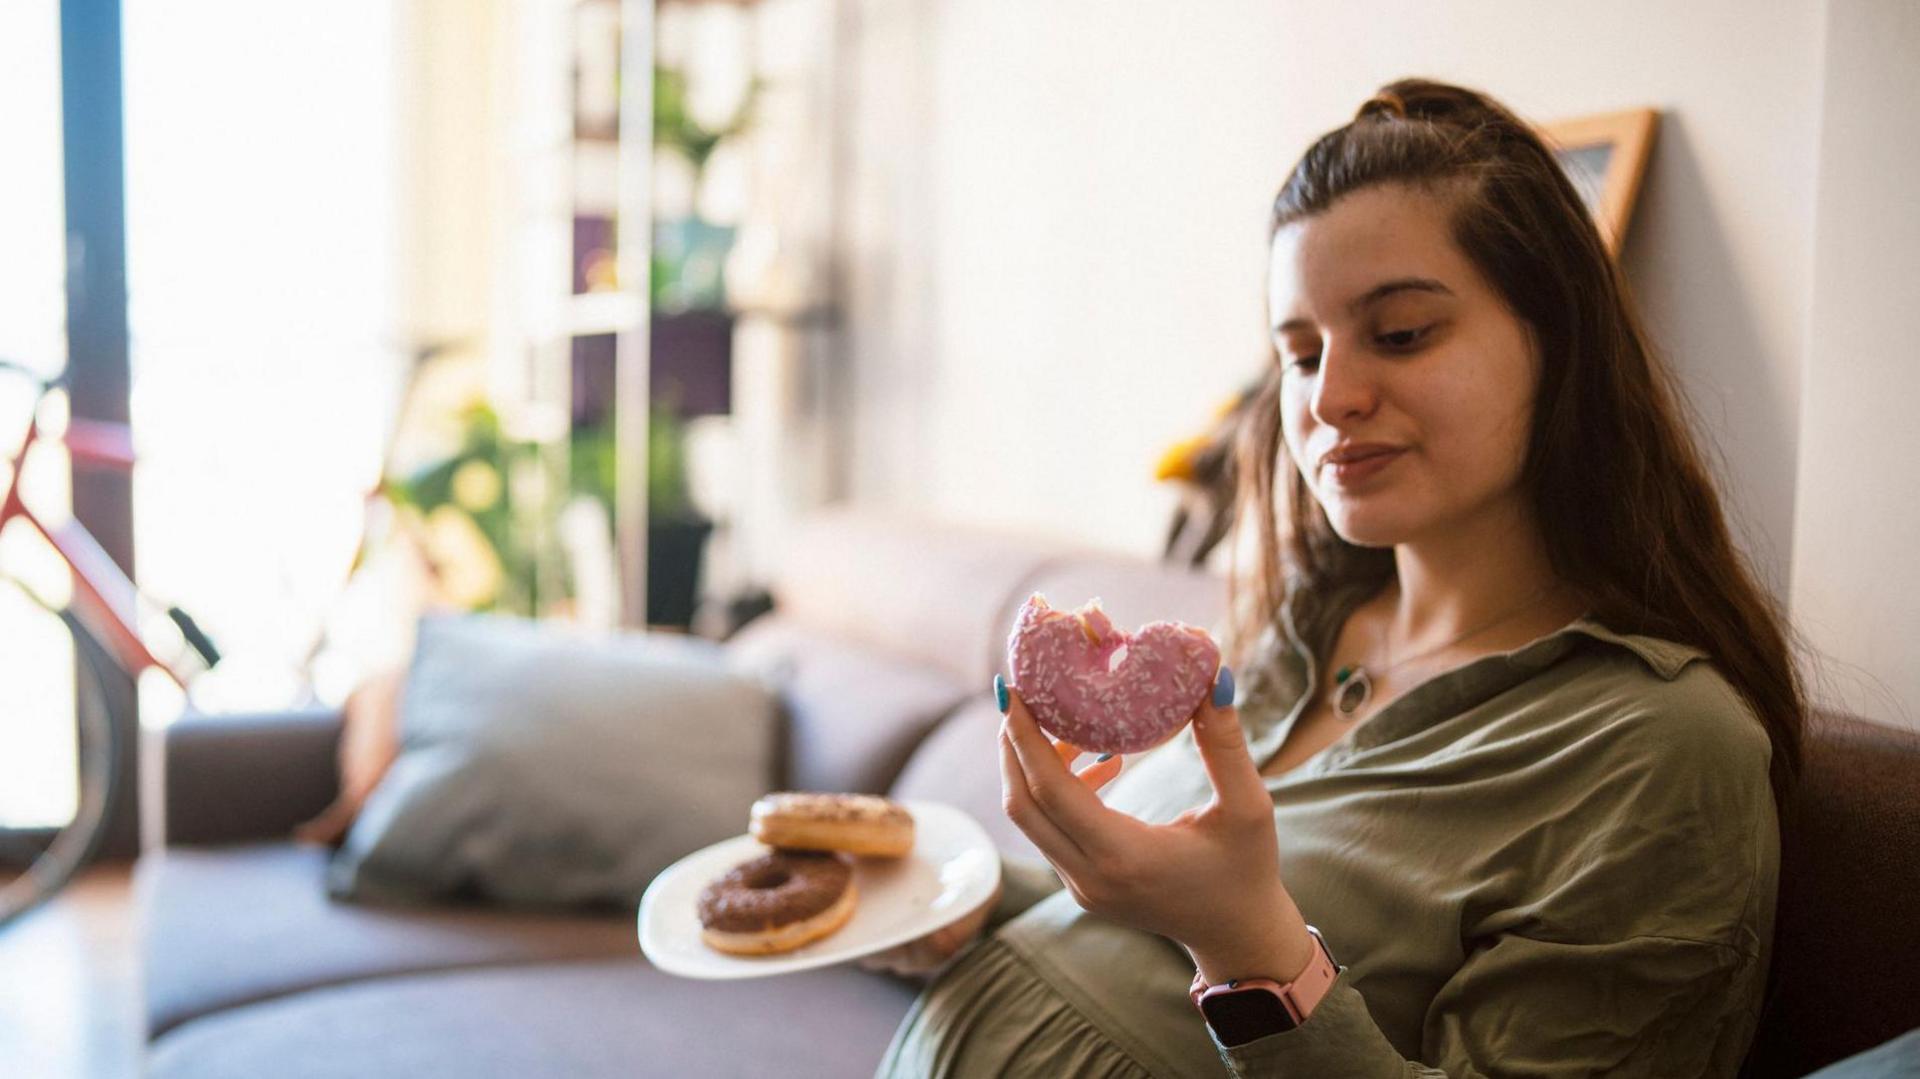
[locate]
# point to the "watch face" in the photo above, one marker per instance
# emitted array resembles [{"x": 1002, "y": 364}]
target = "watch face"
[{"x": 1241, "y": 1016}]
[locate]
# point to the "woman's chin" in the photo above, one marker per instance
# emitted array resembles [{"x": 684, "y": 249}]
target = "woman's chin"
[{"x": 1368, "y": 530}]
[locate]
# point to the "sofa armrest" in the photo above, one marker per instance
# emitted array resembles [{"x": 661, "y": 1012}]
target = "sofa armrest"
[{"x": 238, "y": 778}]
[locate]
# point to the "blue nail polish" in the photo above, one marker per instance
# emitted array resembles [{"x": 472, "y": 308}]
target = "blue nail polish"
[
  {"x": 1000, "y": 694},
  {"x": 1223, "y": 688},
  {"x": 1102, "y": 758}
]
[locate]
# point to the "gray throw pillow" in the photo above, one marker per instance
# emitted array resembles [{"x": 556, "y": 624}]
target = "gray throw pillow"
[{"x": 541, "y": 766}]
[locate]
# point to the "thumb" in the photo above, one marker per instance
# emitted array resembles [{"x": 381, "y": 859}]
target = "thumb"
[{"x": 1223, "y": 747}]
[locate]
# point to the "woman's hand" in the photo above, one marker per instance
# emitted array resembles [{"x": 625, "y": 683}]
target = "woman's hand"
[
  {"x": 931, "y": 952},
  {"x": 1209, "y": 879}
]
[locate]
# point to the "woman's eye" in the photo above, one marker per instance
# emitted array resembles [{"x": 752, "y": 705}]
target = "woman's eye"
[
  {"x": 1397, "y": 340},
  {"x": 1403, "y": 338}
]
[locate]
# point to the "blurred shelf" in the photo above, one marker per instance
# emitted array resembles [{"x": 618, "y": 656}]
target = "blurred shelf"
[{"x": 605, "y": 312}]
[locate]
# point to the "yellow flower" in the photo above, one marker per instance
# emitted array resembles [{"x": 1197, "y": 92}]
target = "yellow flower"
[
  {"x": 1177, "y": 462},
  {"x": 469, "y": 572},
  {"x": 476, "y": 486}
]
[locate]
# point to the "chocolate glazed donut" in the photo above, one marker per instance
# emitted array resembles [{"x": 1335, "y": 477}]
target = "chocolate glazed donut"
[{"x": 777, "y": 902}]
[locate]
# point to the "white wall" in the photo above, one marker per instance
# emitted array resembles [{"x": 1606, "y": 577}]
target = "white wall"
[
  {"x": 1856, "y": 553},
  {"x": 1056, "y": 242}
]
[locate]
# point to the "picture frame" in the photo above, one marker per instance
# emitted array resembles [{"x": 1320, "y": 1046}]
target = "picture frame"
[{"x": 1605, "y": 155}]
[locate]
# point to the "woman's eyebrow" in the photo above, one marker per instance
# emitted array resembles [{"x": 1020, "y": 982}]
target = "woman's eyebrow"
[{"x": 1375, "y": 294}]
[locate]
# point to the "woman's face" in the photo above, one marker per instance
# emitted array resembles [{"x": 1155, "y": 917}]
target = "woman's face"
[{"x": 1407, "y": 385}]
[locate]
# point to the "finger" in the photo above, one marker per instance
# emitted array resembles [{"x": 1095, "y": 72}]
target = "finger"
[
  {"x": 1075, "y": 810},
  {"x": 1100, "y": 772},
  {"x": 891, "y": 961},
  {"x": 907, "y": 968},
  {"x": 1223, "y": 749},
  {"x": 917, "y": 958},
  {"x": 1057, "y": 846},
  {"x": 1068, "y": 751},
  {"x": 947, "y": 940}
]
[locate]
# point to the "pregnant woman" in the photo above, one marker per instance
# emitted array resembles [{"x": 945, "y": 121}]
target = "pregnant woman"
[{"x": 1513, "y": 715}]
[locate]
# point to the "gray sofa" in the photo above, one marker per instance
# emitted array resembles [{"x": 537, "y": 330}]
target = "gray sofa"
[{"x": 885, "y": 641}]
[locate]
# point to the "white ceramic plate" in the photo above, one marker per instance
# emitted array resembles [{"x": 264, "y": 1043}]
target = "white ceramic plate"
[{"x": 954, "y": 868}]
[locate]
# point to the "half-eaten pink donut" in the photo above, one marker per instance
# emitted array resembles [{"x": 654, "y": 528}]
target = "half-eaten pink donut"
[{"x": 1102, "y": 689}]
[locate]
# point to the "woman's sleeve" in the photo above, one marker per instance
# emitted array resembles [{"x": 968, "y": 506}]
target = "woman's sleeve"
[
  {"x": 1644, "y": 1006},
  {"x": 1023, "y": 883}
]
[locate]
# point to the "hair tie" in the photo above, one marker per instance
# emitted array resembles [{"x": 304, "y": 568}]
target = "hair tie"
[{"x": 1391, "y": 102}]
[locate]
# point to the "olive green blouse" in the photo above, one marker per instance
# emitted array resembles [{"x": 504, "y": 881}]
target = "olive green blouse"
[{"x": 1555, "y": 861}]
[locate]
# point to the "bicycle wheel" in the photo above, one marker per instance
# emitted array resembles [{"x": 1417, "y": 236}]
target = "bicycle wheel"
[{"x": 54, "y": 810}]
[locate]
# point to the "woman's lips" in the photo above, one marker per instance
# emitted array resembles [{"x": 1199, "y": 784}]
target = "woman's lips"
[{"x": 1350, "y": 473}]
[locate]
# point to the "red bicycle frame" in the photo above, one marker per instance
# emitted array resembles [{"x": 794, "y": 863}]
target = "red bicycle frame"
[{"x": 106, "y": 600}]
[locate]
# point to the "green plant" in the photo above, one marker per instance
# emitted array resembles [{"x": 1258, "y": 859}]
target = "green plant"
[
  {"x": 463, "y": 518},
  {"x": 594, "y": 465},
  {"x": 675, "y": 126},
  {"x": 667, "y": 497},
  {"x": 688, "y": 253}
]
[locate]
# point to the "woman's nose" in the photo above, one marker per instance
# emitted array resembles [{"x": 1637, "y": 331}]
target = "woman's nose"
[{"x": 1344, "y": 388}]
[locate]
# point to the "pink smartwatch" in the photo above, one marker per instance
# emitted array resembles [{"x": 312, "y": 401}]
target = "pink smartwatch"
[{"x": 1248, "y": 1008}]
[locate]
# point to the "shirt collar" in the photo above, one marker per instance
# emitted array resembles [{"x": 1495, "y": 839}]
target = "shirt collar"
[{"x": 1666, "y": 658}]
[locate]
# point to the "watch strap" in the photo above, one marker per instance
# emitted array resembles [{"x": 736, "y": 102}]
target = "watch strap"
[{"x": 1298, "y": 997}]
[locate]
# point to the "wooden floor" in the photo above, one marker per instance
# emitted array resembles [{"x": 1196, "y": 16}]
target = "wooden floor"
[{"x": 70, "y": 984}]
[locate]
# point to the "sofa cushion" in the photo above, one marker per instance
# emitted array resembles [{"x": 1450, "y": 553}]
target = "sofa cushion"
[
  {"x": 1845, "y": 948},
  {"x": 959, "y": 764},
  {"x": 581, "y": 1020},
  {"x": 854, "y": 712},
  {"x": 244, "y": 777},
  {"x": 932, "y": 594},
  {"x": 229, "y": 926},
  {"x": 369, "y": 742},
  {"x": 541, "y": 765}
]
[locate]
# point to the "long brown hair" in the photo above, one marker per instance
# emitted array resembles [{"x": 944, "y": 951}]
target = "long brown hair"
[{"x": 1616, "y": 483}]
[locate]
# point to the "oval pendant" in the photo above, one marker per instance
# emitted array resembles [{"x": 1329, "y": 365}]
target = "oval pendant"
[{"x": 1352, "y": 689}]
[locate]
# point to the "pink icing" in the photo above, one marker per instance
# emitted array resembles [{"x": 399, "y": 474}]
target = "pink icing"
[{"x": 1064, "y": 669}]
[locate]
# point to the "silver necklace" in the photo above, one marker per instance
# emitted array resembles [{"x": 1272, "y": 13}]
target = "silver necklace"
[{"x": 1353, "y": 684}]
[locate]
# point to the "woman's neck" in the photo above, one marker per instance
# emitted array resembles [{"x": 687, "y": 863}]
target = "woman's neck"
[{"x": 1493, "y": 569}]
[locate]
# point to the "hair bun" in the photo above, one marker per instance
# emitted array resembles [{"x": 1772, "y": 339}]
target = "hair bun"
[
  {"x": 1433, "y": 102},
  {"x": 1387, "y": 102}
]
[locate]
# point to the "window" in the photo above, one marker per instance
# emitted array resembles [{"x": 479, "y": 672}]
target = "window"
[
  {"x": 263, "y": 175},
  {"x": 37, "y": 769}
]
